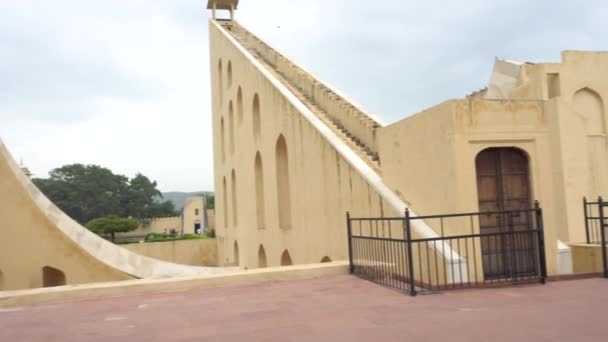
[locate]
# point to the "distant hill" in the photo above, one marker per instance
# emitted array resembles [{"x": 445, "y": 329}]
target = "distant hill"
[{"x": 178, "y": 198}]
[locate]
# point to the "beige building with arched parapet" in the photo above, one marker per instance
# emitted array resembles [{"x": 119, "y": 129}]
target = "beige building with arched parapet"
[
  {"x": 293, "y": 155},
  {"x": 193, "y": 219}
]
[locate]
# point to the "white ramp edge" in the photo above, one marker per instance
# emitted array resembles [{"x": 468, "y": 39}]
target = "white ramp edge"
[
  {"x": 450, "y": 256},
  {"x": 112, "y": 255}
]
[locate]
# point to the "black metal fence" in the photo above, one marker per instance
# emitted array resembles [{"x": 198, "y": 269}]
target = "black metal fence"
[
  {"x": 596, "y": 227},
  {"x": 473, "y": 250}
]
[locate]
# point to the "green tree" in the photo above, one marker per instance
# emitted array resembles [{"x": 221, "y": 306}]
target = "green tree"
[
  {"x": 87, "y": 192},
  {"x": 161, "y": 209},
  {"x": 210, "y": 201},
  {"x": 144, "y": 200},
  {"x": 111, "y": 225}
]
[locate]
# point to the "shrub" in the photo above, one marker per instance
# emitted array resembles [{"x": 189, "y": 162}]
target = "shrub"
[{"x": 167, "y": 237}]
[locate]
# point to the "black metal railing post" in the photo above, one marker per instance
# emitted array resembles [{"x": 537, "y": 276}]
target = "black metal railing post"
[
  {"x": 586, "y": 219},
  {"x": 600, "y": 204},
  {"x": 541, "y": 242},
  {"x": 410, "y": 261},
  {"x": 351, "y": 266},
  {"x": 514, "y": 267}
]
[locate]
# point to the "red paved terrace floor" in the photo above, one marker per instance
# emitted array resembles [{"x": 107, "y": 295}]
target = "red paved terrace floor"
[{"x": 340, "y": 308}]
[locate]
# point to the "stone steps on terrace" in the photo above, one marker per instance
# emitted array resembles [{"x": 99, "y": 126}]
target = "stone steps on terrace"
[{"x": 350, "y": 139}]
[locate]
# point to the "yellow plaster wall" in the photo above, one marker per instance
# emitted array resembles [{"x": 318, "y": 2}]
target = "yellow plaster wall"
[
  {"x": 323, "y": 184},
  {"x": 157, "y": 225},
  {"x": 430, "y": 158},
  {"x": 187, "y": 252},
  {"x": 427, "y": 159},
  {"x": 581, "y": 151},
  {"x": 30, "y": 242},
  {"x": 587, "y": 258}
]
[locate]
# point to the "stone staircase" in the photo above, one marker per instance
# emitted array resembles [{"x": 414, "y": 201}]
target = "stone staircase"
[{"x": 247, "y": 40}]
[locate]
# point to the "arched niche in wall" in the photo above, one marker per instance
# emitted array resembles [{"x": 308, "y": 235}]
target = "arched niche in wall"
[
  {"x": 286, "y": 259},
  {"x": 233, "y": 185},
  {"x": 589, "y": 107},
  {"x": 262, "y": 257},
  {"x": 223, "y": 137},
  {"x": 52, "y": 277},
  {"x": 225, "y": 202},
  {"x": 221, "y": 81},
  {"x": 231, "y": 126},
  {"x": 283, "y": 184},
  {"x": 229, "y": 73},
  {"x": 236, "y": 253},
  {"x": 325, "y": 259},
  {"x": 239, "y": 106},
  {"x": 256, "y": 116},
  {"x": 259, "y": 192}
]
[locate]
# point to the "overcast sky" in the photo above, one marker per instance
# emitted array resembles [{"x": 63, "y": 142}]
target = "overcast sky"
[{"x": 125, "y": 83}]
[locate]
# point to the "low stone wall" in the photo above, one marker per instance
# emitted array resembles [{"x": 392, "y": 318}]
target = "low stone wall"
[
  {"x": 586, "y": 258},
  {"x": 73, "y": 293},
  {"x": 187, "y": 252}
]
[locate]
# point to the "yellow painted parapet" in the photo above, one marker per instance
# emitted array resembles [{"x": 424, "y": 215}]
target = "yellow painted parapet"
[
  {"x": 42, "y": 246},
  {"x": 95, "y": 291}
]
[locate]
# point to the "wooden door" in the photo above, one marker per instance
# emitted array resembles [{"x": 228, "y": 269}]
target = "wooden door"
[{"x": 503, "y": 184}]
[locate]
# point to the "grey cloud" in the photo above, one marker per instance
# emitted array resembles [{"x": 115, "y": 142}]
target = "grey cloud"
[
  {"x": 417, "y": 54},
  {"x": 46, "y": 78}
]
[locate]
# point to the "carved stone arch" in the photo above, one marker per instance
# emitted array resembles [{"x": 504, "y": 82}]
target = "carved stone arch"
[
  {"x": 229, "y": 73},
  {"x": 231, "y": 126},
  {"x": 239, "y": 106},
  {"x": 259, "y": 191},
  {"x": 257, "y": 120},
  {"x": 225, "y": 202},
  {"x": 589, "y": 106},
  {"x": 233, "y": 186},
  {"x": 52, "y": 277},
  {"x": 283, "y": 184},
  {"x": 223, "y": 139},
  {"x": 220, "y": 78},
  {"x": 286, "y": 259},
  {"x": 262, "y": 262},
  {"x": 236, "y": 253}
]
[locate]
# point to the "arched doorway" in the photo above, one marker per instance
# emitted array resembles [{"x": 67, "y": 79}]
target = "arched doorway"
[
  {"x": 236, "y": 253},
  {"x": 261, "y": 257},
  {"x": 52, "y": 277},
  {"x": 325, "y": 259},
  {"x": 503, "y": 183},
  {"x": 286, "y": 259}
]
